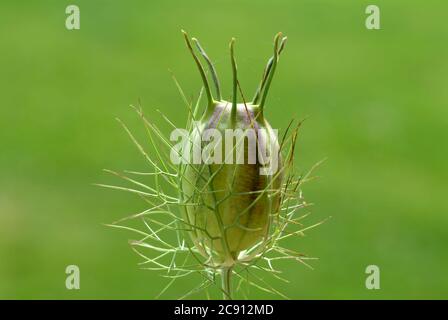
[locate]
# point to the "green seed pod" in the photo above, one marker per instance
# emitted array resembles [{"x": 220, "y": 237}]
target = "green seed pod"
[
  {"x": 238, "y": 203},
  {"x": 230, "y": 205}
]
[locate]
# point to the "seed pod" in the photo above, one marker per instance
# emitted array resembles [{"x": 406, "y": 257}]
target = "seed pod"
[
  {"x": 230, "y": 206},
  {"x": 237, "y": 210}
]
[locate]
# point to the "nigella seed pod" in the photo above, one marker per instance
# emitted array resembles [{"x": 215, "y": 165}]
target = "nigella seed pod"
[
  {"x": 224, "y": 200},
  {"x": 231, "y": 204}
]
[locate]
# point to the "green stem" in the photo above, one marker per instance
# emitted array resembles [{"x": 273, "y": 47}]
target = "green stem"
[
  {"x": 201, "y": 71},
  {"x": 235, "y": 82},
  {"x": 266, "y": 73},
  {"x": 271, "y": 71},
  {"x": 226, "y": 278},
  {"x": 211, "y": 67}
]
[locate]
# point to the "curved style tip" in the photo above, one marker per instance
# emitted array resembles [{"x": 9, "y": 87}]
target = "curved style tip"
[
  {"x": 211, "y": 67},
  {"x": 269, "y": 71},
  {"x": 232, "y": 43},
  {"x": 235, "y": 79},
  {"x": 278, "y": 35},
  {"x": 282, "y": 44},
  {"x": 200, "y": 68}
]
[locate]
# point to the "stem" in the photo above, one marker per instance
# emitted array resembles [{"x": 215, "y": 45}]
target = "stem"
[
  {"x": 211, "y": 67},
  {"x": 226, "y": 278},
  {"x": 235, "y": 82},
  {"x": 266, "y": 72},
  {"x": 271, "y": 71},
  {"x": 201, "y": 70}
]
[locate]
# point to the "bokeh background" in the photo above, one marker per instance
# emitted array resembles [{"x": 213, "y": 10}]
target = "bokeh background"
[{"x": 377, "y": 108}]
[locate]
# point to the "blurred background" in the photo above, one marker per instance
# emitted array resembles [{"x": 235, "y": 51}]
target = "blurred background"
[{"x": 376, "y": 103}]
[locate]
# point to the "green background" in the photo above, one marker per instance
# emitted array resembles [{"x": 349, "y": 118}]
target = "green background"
[{"x": 377, "y": 108}]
